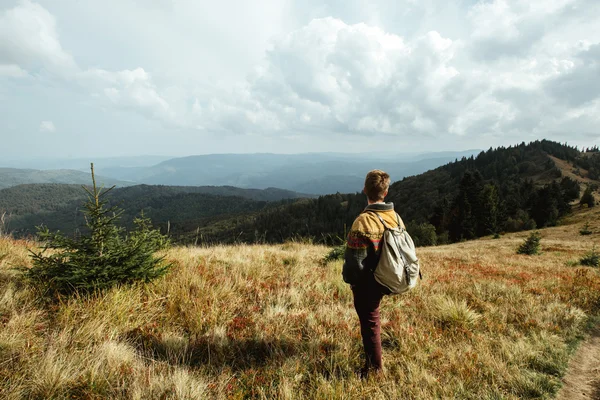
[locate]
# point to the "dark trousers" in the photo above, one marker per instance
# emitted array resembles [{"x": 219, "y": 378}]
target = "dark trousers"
[{"x": 367, "y": 297}]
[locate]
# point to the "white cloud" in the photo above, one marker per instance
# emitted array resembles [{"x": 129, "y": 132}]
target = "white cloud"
[
  {"x": 512, "y": 27},
  {"x": 28, "y": 39},
  {"x": 12, "y": 71},
  {"x": 47, "y": 126},
  {"x": 129, "y": 89},
  {"x": 29, "y": 42}
]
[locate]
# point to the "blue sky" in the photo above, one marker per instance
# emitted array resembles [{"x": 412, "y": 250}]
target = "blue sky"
[{"x": 180, "y": 77}]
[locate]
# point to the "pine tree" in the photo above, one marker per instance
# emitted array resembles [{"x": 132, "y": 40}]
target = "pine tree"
[
  {"x": 531, "y": 245},
  {"x": 490, "y": 204},
  {"x": 105, "y": 257},
  {"x": 587, "y": 198}
]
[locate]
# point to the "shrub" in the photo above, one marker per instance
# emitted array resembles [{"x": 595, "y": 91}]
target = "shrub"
[
  {"x": 585, "y": 230},
  {"x": 105, "y": 257},
  {"x": 531, "y": 245},
  {"x": 591, "y": 259},
  {"x": 337, "y": 253},
  {"x": 422, "y": 234}
]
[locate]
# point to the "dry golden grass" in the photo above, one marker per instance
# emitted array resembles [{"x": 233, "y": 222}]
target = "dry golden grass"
[{"x": 274, "y": 322}]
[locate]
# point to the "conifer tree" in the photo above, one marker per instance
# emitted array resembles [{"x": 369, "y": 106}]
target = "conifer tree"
[
  {"x": 531, "y": 245},
  {"x": 101, "y": 258},
  {"x": 587, "y": 198}
]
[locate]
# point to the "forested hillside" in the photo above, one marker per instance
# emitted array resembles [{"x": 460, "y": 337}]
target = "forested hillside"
[
  {"x": 504, "y": 189},
  {"x": 180, "y": 207}
]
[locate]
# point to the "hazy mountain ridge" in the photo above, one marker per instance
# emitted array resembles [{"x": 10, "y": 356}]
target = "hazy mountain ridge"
[
  {"x": 83, "y": 164},
  {"x": 14, "y": 176},
  {"x": 318, "y": 173},
  {"x": 315, "y": 173}
]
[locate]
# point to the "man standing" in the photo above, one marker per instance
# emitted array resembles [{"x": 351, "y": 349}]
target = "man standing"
[{"x": 361, "y": 258}]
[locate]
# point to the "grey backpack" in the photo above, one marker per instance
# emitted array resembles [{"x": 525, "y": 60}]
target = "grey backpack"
[{"x": 398, "y": 267}]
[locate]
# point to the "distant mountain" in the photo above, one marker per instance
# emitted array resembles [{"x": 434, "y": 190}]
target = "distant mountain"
[
  {"x": 83, "y": 164},
  {"x": 12, "y": 177},
  {"x": 316, "y": 173}
]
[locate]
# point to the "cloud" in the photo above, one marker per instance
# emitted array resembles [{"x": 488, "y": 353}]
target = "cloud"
[
  {"x": 129, "y": 89},
  {"x": 502, "y": 68},
  {"x": 28, "y": 40},
  {"x": 12, "y": 71},
  {"x": 580, "y": 83},
  {"x": 336, "y": 77},
  {"x": 511, "y": 27},
  {"x": 29, "y": 43},
  {"x": 47, "y": 126}
]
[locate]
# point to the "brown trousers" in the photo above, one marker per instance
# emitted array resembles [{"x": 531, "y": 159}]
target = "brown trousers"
[{"x": 367, "y": 297}]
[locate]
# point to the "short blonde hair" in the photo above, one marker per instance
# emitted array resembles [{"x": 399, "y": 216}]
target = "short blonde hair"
[{"x": 377, "y": 184}]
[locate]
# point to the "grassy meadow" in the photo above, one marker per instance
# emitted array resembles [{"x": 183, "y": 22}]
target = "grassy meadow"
[{"x": 274, "y": 321}]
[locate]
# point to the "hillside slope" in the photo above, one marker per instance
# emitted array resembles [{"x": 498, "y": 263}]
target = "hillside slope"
[
  {"x": 272, "y": 321},
  {"x": 59, "y": 206}
]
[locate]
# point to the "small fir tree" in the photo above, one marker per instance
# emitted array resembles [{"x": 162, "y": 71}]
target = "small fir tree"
[
  {"x": 585, "y": 230},
  {"x": 531, "y": 245},
  {"x": 591, "y": 259},
  {"x": 105, "y": 257}
]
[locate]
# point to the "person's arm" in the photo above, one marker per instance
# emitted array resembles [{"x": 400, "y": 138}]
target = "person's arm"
[{"x": 354, "y": 257}]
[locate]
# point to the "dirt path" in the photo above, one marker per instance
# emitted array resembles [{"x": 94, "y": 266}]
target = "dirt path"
[{"x": 582, "y": 380}]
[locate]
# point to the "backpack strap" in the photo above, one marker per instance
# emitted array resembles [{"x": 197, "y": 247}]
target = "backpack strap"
[
  {"x": 381, "y": 219},
  {"x": 383, "y": 222}
]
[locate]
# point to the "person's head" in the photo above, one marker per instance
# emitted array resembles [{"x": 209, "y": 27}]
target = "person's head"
[{"x": 377, "y": 184}]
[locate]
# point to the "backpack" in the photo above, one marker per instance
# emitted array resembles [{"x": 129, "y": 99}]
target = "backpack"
[{"x": 398, "y": 267}]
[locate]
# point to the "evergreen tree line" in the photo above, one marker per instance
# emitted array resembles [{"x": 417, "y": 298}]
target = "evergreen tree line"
[{"x": 483, "y": 208}]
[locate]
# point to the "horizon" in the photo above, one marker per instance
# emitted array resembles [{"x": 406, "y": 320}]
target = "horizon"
[{"x": 388, "y": 153}]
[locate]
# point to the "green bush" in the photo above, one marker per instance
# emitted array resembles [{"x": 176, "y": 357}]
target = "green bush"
[
  {"x": 591, "y": 259},
  {"x": 337, "y": 253},
  {"x": 585, "y": 230},
  {"x": 422, "y": 234},
  {"x": 531, "y": 245},
  {"x": 104, "y": 257}
]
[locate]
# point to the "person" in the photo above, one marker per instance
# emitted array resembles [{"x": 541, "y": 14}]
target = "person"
[{"x": 360, "y": 259}]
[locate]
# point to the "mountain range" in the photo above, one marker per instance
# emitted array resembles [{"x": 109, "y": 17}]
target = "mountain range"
[
  {"x": 503, "y": 189},
  {"x": 316, "y": 173}
]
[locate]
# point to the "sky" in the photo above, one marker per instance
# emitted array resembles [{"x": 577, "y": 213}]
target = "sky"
[{"x": 110, "y": 78}]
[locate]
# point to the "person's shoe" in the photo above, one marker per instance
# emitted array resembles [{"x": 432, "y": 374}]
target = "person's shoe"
[{"x": 366, "y": 373}]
